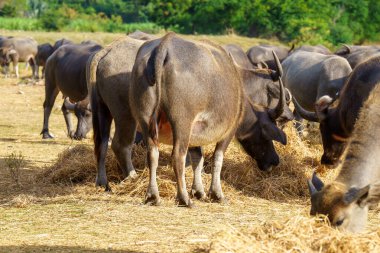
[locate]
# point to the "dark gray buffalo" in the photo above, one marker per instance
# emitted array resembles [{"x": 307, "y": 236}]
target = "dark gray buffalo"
[
  {"x": 358, "y": 54},
  {"x": 139, "y": 35},
  {"x": 309, "y": 76},
  {"x": 337, "y": 122},
  {"x": 189, "y": 94},
  {"x": 66, "y": 73},
  {"x": 346, "y": 200},
  {"x": 261, "y": 56},
  {"x": 17, "y": 50},
  {"x": 314, "y": 49}
]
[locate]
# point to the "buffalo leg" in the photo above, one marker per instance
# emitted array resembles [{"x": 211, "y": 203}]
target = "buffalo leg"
[
  {"x": 69, "y": 125},
  {"x": 152, "y": 195},
  {"x": 197, "y": 160},
  {"x": 34, "y": 66},
  {"x": 102, "y": 120},
  {"x": 215, "y": 192},
  {"x": 122, "y": 144},
  {"x": 181, "y": 142},
  {"x": 15, "y": 68},
  {"x": 50, "y": 95}
]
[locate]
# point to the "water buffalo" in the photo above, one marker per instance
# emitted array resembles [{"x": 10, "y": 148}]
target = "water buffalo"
[
  {"x": 17, "y": 50},
  {"x": 315, "y": 49},
  {"x": 66, "y": 73},
  {"x": 139, "y": 35},
  {"x": 171, "y": 78},
  {"x": 357, "y": 54},
  {"x": 261, "y": 56},
  {"x": 337, "y": 122},
  {"x": 309, "y": 76},
  {"x": 44, "y": 51},
  {"x": 255, "y": 133},
  {"x": 346, "y": 200},
  {"x": 108, "y": 78}
]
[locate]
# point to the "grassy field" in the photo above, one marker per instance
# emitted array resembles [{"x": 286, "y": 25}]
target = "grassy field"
[{"x": 52, "y": 210}]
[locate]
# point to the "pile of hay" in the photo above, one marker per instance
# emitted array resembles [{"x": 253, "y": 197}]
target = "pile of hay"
[
  {"x": 297, "y": 234},
  {"x": 286, "y": 183}
]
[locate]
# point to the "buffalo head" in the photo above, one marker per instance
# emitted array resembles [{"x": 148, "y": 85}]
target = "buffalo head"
[
  {"x": 6, "y": 53},
  {"x": 258, "y": 128},
  {"x": 345, "y": 207},
  {"x": 83, "y": 113}
]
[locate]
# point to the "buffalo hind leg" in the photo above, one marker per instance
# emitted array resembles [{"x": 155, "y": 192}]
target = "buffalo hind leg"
[
  {"x": 152, "y": 196},
  {"x": 215, "y": 192},
  {"x": 197, "y": 159},
  {"x": 122, "y": 144},
  {"x": 180, "y": 145}
]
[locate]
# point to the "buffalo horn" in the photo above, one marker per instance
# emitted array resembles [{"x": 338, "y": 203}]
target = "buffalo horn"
[
  {"x": 318, "y": 184},
  {"x": 276, "y": 112},
  {"x": 312, "y": 189},
  {"x": 310, "y": 116}
]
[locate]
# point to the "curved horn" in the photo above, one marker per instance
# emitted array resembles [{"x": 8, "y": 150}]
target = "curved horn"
[
  {"x": 312, "y": 189},
  {"x": 318, "y": 184},
  {"x": 264, "y": 65},
  {"x": 348, "y": 48},
  {"x": 276, "y": 112},
  {"x": 310, "y": 116},
  {"x": 69, "y": 106},
  {"x": 292, "y": 48},
  {"x": 290, "y": 95}
]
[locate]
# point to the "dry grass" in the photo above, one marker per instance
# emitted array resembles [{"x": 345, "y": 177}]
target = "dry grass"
[{"x": 57, "y": 208}]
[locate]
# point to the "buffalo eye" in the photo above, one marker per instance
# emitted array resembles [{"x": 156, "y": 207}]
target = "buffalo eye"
[{"x": 339, "y": 222}]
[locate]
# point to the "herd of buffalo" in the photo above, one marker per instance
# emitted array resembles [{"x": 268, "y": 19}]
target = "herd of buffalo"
[{"x": 193, "y": 93}]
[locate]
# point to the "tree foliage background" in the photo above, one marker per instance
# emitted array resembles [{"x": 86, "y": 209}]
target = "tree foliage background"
[{"x": 310, "y": 21}]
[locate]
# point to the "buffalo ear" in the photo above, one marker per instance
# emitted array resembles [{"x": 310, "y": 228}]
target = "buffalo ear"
[
  {"x": 359, "y": 195},
  {"x": 368, "y": 195},
  {"x": 272, "y": 132},
  {"x": 322, "y": 105}
]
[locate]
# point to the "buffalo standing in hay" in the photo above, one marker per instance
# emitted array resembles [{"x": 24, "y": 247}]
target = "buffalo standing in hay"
[
  {"x": 173, "y": 77},
  {"x": 337, "y": 123},
  {"x": 66, "y": 73},
  {"x": 309, "y": 76},
  {"x": 257, "y": 131},
  {"x": 346, "y": 200},
  {"x": 108, "y": 78},
  {"x": 17, "y": 50}
]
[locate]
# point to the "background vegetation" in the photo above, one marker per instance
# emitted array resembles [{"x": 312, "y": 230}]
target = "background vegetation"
[{"x": 307, "y": 21}]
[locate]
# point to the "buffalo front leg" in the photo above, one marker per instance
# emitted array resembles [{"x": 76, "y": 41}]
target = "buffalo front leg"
[
  {"x": 15, "y": 68},
  {"x": 50, "y": 96},
  {"x": 197, "y": 159},
  {"x": 215, "y": 192}
]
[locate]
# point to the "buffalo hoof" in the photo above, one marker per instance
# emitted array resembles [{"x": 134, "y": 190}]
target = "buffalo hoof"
[
  {"x": 185, "y": 203},
  {"x": 152, "y": 200},
  {"x": 198, "y": 194},
  {"x": 217, "y": 197},
  {"x": 47, "y": 135},
  {"x": 103, "y": 183}
]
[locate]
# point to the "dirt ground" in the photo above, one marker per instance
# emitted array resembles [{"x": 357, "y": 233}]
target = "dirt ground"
[{"x": 39, "y": 215}]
